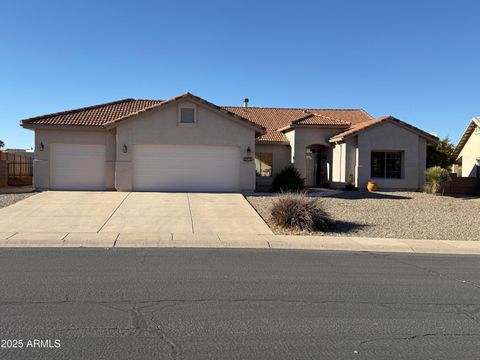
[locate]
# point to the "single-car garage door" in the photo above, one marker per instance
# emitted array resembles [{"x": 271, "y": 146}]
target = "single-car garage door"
[
  {"x": 77, "y": 167},
  {"x": 186, "y": 168}
]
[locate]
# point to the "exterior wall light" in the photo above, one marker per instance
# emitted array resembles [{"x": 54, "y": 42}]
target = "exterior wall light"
[
  {"x": 249, "y": 151},
  {"x": 42, "y": 146},
  {"x": 124, "y": 148}
]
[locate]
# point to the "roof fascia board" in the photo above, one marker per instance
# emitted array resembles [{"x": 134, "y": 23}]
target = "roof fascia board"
[
  {"x": 62, "y": 127},
  {"x": 466, "y": 136},
  {"x": 272, "y": 142}
]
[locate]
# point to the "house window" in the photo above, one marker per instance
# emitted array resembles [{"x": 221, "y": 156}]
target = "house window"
[
  {"x": 187, "y": 115},
  {"x": 477, "y": 130},
  {"x": 386, "y": 164},
  {"x": 263, "y": 164}
]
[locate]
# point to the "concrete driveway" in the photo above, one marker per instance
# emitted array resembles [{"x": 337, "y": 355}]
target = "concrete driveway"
[{"x": 135, "y": 212}]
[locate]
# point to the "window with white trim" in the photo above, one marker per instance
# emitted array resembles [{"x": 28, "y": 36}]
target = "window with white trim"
[{"x": 386, "y": 164}]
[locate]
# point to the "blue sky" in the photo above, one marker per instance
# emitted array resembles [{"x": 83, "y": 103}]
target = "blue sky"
[{"x": 417, "y": 60}]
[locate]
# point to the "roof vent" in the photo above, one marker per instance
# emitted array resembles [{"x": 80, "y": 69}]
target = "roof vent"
[{"x": 245, "y": 103}]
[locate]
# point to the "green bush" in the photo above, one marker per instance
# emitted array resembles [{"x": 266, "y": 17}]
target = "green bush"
[
  {"x": 435, "y": 177},
  {"x": 296, "y": 211},
  {"x": 288, "y": 180}
]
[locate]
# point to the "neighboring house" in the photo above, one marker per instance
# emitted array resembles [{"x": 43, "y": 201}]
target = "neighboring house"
[
  {"x": 25, "y": 152},
  {"x": 189, "y": 144},
  {"x": 467, "y": 152}
]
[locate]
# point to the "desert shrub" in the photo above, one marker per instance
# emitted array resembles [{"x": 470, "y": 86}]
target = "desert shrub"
[
  {"x": 435, "y": 177},
  {"x": 296, "y": 211},
  {"x": 288, "y": 180}
]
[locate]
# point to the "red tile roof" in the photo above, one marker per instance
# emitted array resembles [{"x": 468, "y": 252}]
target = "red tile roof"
[
  {"x": 271, "y": 119},
  {"x": 318, "y": 119},
  {"x": 274, "y": 119},
  {"x": 356, "y": 128},
  {"x": 97, "y": 115},
  {"x": 103, "y": 115},
  {"x": 189, "y": 96}
]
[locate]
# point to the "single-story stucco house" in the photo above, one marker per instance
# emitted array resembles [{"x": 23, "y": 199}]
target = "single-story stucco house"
[
  {"x": 189, "y": 144},
  {"x": 467, "y": 152}
]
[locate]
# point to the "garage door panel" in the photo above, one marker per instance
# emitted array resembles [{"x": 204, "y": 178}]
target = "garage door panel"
[
  {"x": 186, "y": 168},
  {"x": 77, "y": 167}
]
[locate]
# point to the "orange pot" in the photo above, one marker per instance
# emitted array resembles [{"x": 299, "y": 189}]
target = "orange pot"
[{"x": 371, "y": 186}]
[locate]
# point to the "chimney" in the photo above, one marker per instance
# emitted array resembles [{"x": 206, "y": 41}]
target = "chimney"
[{"x": 245, "y": 103}]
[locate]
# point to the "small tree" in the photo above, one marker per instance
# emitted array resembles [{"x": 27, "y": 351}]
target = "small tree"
[
  {"x": 440, "y": 154},
  {"x": 2, "y": 144},
  {"x": 436, "y": 177},
  {"x": 288, "y": 180}
]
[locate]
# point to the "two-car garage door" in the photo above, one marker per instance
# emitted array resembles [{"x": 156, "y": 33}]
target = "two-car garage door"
[
  {"x": 155, "y": 167},
  {"x": 186, "y": 168}
]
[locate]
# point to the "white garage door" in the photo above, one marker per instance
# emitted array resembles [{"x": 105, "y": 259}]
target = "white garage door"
[
  {"x": 77, "y": 167},
  {"x": 186, "y": 168}
]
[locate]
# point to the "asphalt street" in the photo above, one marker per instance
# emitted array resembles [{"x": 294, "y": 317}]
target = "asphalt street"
[{"x": 237, "y": 304}]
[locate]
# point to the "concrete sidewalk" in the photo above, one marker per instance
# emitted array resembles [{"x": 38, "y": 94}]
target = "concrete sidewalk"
[{"x": 226, "y": 240}]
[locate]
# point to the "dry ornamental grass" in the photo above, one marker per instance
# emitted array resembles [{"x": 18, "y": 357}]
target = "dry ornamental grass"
[{"x": 299, "y": 212}]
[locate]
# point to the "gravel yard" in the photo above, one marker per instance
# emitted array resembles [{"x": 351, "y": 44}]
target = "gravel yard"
[
  {"x": 10, "y": 198},
  {"x": 407, "y": 215}
]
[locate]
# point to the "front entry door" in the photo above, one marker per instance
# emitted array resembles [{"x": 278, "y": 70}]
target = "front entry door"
[
  {"x": 186, "y": 168},
  {"x": 320, "y": 175}
]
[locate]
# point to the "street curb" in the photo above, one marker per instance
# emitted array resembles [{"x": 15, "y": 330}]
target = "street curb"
[{"x": 240, "y": 241}]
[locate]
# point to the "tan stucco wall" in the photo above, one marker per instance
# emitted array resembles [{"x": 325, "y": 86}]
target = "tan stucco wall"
[
  {"x": 344, "y": 162},
  {"x": 469, "y": 155},
  {"x": 291, "y": 139},
  {"x": 41, "y": 163},
  {"x": 161, "y": 127},
  {"x": 281, "y": 159},
  {"x": 422, "y": 161},
  {"x": 391, "y": 137}
]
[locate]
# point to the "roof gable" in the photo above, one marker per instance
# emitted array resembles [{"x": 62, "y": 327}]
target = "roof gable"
[
  {"x": 466, "y": 136},
  {"x": 360, "y": 127},
  {"x": 110, "y": 114},
  {"x": 198, "y": 100}
]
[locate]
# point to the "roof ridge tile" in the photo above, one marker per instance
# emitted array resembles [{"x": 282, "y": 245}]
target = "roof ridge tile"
[{"x": 294, "y": 108}]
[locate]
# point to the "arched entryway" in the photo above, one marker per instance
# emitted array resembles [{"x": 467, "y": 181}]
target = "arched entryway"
[{"x": 317, "y": 166}]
